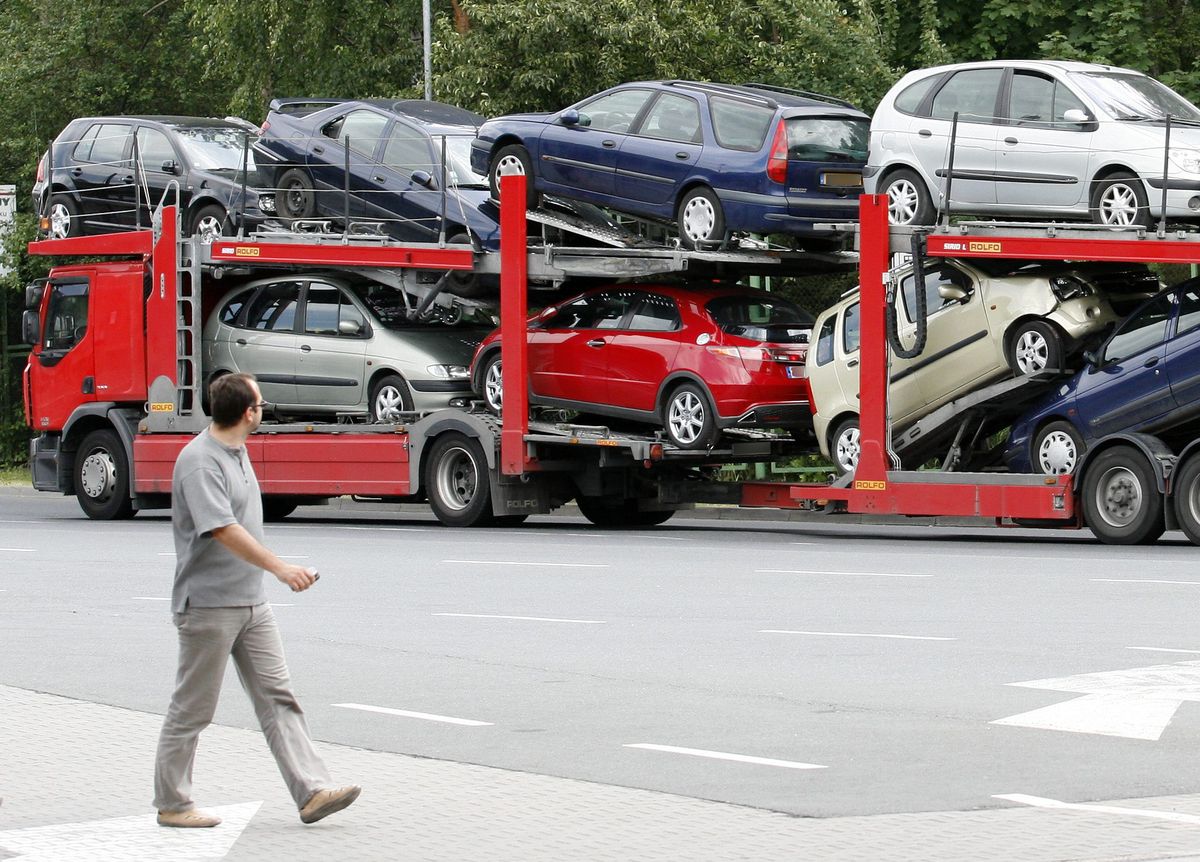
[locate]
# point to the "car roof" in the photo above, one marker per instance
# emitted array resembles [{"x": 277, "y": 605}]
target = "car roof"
[
  {"x": 166, "y": 120},
  {"x": 427, "y": 113},
  {"x": 681, "y": 290},
  {"x": 1056, "y": 65},
  {"x": 768, "y": 94}
]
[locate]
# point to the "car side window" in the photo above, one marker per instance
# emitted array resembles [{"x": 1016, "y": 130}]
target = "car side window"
[
  {"x": 673, "y": 118},
  {"x": 573, "y": 315},
  {"x": 850, "y": 331},
  {"x": 231, "y": 310},
  {"x": 1189, "y": 311},
  {"x": 83, "y": 149},
  {"x": 739, "y": 125},
  {"x": 910, "y": 98},
  {"x": 971, "y": 93},
  {"x": 655, "y": 314},
  {"x": 274, "y": 308},
  {"x": 153, "y": 149},
  {"x": 327, "y": 308},
  {"x": 933, "y": 300},
  {"x": 408, "y": 150},
  {"x": 610, "y": 310},
  {"x": 825, "y": 341},
  {"x": 363, "y": 128},
  {"x": 1039, "y": 101},
  {"x": 1146, "y": 329},
  {"x": 614, "y": 112},
  {"x": 109, "y": 147}
]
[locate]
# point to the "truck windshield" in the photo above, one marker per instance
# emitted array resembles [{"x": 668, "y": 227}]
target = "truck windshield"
[{"x": 215, "y": 149}]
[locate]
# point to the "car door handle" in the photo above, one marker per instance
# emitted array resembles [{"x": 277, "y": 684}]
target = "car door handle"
[
  {"x": 318, "y": 149},
  {"x": 128, "y": 178},
  {"x": 377, "y": 179},
  {"x": 683, "y": 155},
  {"x": 925, "y": 133},
  {"x": 608, "y": 145},
  {"x": 78, "y": 172},
  {"x": 1011, "y": 141},
  {"x": 596, "y": 342},
  {"x": 1151, "y": 362},
  {"x": 853, "y": 363},
  {"x": 241, "y": 342},
  {"x": 306, "y": 348}
]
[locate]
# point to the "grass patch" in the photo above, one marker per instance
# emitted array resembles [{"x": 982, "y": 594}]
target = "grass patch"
[{"x": 15, "y": 476}]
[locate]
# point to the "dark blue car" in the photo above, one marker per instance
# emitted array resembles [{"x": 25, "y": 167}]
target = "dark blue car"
[
  {"x": 1146, "y": 377},
  {"x": 716, "y": 159}
]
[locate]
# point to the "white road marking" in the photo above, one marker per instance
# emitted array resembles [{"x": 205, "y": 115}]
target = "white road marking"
[
  {"x": 828, "y": 572},
  {"x": 853, "y": 635},
  {"x": 292, "y": 556},
  {"x": 425, "y": 716},
  {"x": 722, "y": 755},
  {"x": 531, "y": 619},
  {"x": 528, "y": 563},
  {"x": 1163, "y": 649},
  {"x": 1137, "y": 703},
  {"x": 1042, "y": 802},
  {"x": 137, "y": 838},
  {"x": 152, "y": 598},
  {"x": 652, "y": 536},
  {"x": 166, "y": 553},
  {"x": 1143, "y": 581},
  {"x": 19, "y": 550}
]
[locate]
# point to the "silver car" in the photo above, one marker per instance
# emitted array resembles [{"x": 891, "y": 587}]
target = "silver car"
[
  {"x": 1040, "y": 139},
  {"x": 340, "y": 344}
]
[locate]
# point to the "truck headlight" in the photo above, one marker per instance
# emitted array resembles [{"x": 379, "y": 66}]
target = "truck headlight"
[
  {"x": 448, "y": 372},
  {"x": 1185, "y": 160}
]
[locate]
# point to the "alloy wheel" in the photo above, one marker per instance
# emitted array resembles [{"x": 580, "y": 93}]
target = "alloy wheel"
[
  {"x": 493, "y": 386},
  {"x": 60, "y": 221},
  {"x": 848, "y": 448},
  {"x": 389, "y": 403},
  {"x": 903, "y": 202},
  {"x": 686, "y": 417},
  {"x": 1119, "y": 205},
  {"x": 1032, "y": 352}
]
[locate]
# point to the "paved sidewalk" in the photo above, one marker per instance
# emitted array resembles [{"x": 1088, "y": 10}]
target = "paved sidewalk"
[{"x": 75, "y": 778}]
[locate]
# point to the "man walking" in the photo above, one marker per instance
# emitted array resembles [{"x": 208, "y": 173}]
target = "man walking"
[{"x": 220, "y": 608}]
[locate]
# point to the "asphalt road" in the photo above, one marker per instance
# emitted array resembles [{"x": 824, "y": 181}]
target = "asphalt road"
[{"x": 863, "y": 667}]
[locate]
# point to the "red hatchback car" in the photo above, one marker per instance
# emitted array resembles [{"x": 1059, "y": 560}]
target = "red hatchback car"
[{"x": 692, "y": 360}]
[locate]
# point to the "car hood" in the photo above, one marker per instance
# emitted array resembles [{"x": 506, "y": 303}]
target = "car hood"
[
  {"x": 451, "y": 345},
  {"x": 475, "y": 208},
  {"x": 1154, "y": 135},
  {"x": 527, "y": 118}
]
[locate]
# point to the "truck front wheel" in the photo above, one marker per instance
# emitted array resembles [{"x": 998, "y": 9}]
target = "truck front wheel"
[
  {"x": 102, "y": 477},
  {"x": 457, "y": 481},
  {"x": 1121, "y": 502},
  {"x": 1186, "y": 496}
]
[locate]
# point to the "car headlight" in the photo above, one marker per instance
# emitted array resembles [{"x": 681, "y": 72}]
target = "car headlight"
[
  {"x": 266, "y": 203},
  {"x": 1185, "y": 160},
  {"x": 449, "y": 372},
  {"x": 1069, "y": 287}
]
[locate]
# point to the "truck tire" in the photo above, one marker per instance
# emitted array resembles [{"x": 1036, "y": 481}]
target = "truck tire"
[
  {"x": 102, "y": 477},
  {"x": 1121, "y": 502},
  {"x": 457, "y": 481},
  {"x": 276, "y": 508},
  {"x": 1185, "y": 494},
  {"x": 609, "y": 512},
  {"x": 470, "y": 285}
]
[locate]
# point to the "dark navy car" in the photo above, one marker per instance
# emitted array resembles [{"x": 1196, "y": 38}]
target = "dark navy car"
[
  {"x": 714, "y": 158},
  {"x": 1146, "y": 377}
]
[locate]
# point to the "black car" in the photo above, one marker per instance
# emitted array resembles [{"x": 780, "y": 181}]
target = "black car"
[
  {"x": 88, "y": 181},
  {"x": 397, "y": 177}
]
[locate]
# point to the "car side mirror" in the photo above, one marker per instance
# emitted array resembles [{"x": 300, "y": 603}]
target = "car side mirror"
[
  {"x": 569, "y": 117},
  {"x": 422, "y": 178},
  {"x": 1075, "y": 115},
  {"x": 952, "y": 292},
  {"x": 1091, "y": 358},
  {"x": 29, "y": 327},
  {"x": 349, "y": 327},
  {"x": 170, "y": 166}
]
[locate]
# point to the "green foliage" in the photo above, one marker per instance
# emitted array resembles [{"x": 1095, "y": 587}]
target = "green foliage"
[{"x": 14, "y": 434}]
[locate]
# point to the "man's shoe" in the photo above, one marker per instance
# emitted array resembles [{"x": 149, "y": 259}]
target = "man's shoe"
[
  {"x": 190, "y": 819},
  {"x": 325, "y": 802}
]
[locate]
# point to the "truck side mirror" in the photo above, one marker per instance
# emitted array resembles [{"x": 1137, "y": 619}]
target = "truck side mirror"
[
  {"x": 30, "y": 330},
  {"x": 34, "y": 294}
]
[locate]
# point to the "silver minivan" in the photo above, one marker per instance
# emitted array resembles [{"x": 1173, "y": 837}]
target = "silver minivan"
[{"x": 1037, "y": 139}]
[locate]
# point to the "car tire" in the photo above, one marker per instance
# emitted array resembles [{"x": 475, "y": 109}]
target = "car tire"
[
  {"x": 1120, "y": 200},
  {"x": 1035, "y": 346},
  {"x": 276, "y": 508},
  {"x": 63, "y": 213},
  {"x": 208, "y": 223},
  {"x": 295, "y": 196},
  {"x": 700, "y": 217},
  {"x": 512, "y": 159},
  {"x": 689, "y": 419},
  {"x": 470, "y": 285},
  {"x": 457, "y": 482},
  {"x": 844, "y": 447},
  {"x": 609, "y": 512},
  {"x": 389, "y": 395},
  {"x": 102, "y": 477},
  {"x": 1185, "y": 496},
  {"x": 909, "y": 202},
  {"x": 1121, "y": 502},
  {"x": 1057, "y": 449},
  {"x": 491, "y": 383}
]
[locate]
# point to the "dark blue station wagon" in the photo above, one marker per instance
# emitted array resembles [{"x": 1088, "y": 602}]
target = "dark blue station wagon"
[{"x": 716, "y": 159}]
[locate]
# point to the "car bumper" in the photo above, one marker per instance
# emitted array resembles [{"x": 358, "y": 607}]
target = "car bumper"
[
  {"x": 793, "y": 414},
  {"x": 765, "y": 213},
  {"x": 435, "y": 394}
]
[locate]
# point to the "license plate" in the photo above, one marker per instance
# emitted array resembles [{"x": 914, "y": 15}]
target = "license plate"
[
  {"x": 841, "y": 179},
  {"x": 795, "y": 371}
]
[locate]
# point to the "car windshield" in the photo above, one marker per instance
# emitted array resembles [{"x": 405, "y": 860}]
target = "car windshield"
[
  {"x": 827, "y": 139},
  {"x": 458, "y": 161},
  {"x": 215, "y": 149},
  {"x": 762, "y": 318},
  {"x": 387, "y": 305},
  {"x": 1134, "y": 97}
]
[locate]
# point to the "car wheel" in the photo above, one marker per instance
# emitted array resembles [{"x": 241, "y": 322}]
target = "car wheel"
[
  {"x": 277, "y": 508},
  {"x": 844, "y": 446},
  {"x": 491, "y": 383},
  {"x": 508, "y": 161},
  {"x": 102, "y": 477},
  {"x": 1121, "y": 502},
  {"x": 295, "y": 195},
  {"x": 1186, "y": 496},
  {"x": 389, "y": 398},
  {"x": 457, "y": 481},
  {"x": 64, "y": 217},
  {"x": 1035, "y": 346},
  {"x": 1120, "y": 199},
  {"x": 608, "y": 512},
  {"x": 208, "y": 223},
  {"x": 700, "y": 217},
  {"x": 1057, "y": 449},
  {"x": 909, "y": 202},
  {"x": 690, "y": 423}
]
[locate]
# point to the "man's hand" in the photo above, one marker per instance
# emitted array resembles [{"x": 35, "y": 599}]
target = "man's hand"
[{"x": 298, "y": 578}]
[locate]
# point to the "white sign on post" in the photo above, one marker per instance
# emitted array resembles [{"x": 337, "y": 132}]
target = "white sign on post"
[{"x": 8, "y": 211}]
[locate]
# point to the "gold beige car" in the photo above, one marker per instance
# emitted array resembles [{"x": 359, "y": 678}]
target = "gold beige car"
[{"x": 987, "y": 320}]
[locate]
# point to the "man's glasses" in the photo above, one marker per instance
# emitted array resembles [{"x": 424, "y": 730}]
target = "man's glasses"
[{"x": 261, "y": 405}]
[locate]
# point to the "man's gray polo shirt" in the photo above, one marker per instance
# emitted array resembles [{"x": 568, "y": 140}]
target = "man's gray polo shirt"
[{"x": 214, "y": 486}]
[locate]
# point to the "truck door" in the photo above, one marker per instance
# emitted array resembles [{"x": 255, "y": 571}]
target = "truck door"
[{"x": 62, "y": 373}]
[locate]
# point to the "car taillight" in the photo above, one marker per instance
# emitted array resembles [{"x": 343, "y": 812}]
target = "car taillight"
[
  {"x": 777, "y": 163},
  {"x": 41, "y": 170},
  {"x": 263, "y": 128},
  {"x": 764, "y": 354}
]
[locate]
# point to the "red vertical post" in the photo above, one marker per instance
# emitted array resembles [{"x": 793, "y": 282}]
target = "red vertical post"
[
  {"x": 513, "y": 311},
  {"x": 873, "y": 255},
  {"x": 162, "y": 324}
]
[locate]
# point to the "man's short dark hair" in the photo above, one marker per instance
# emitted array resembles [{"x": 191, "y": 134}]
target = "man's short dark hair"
[{"x": 229, "y": 397}]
